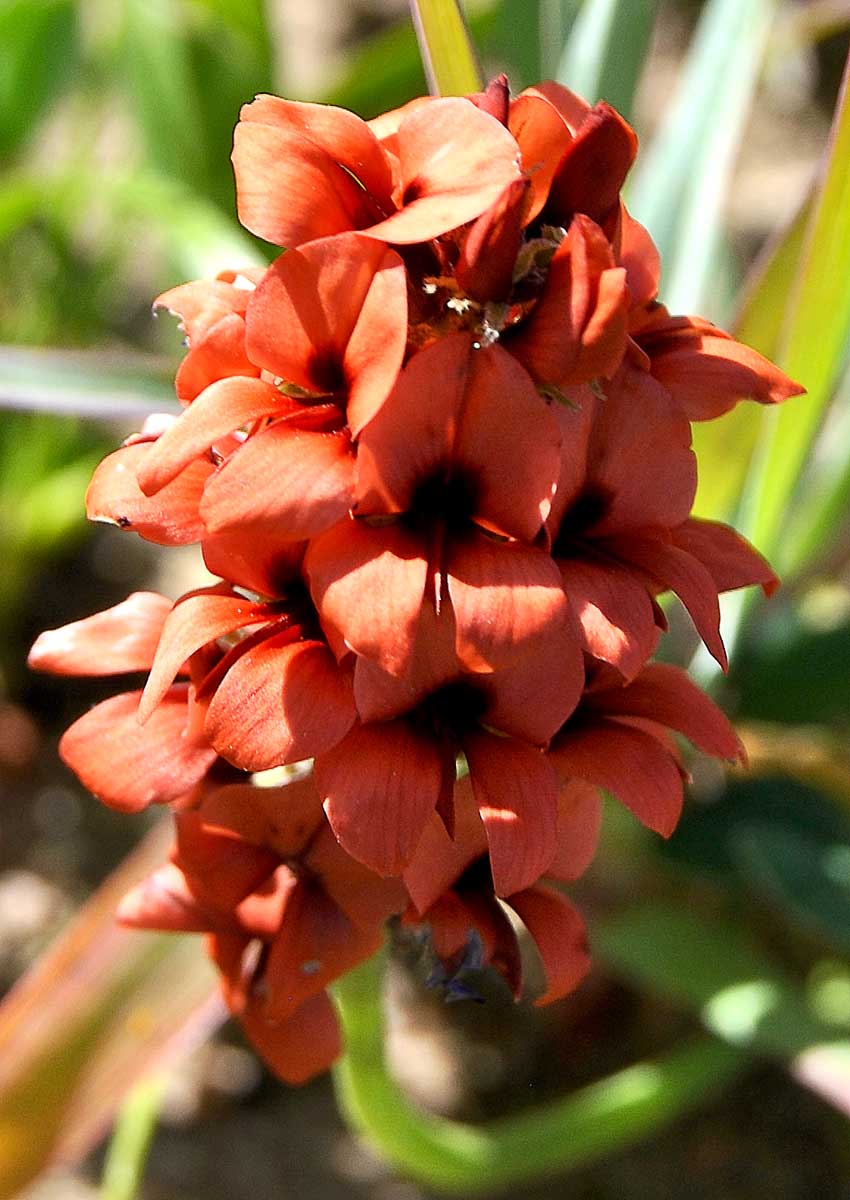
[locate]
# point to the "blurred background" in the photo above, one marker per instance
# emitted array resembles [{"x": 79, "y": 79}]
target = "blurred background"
[{"x": 116, "y": 119}]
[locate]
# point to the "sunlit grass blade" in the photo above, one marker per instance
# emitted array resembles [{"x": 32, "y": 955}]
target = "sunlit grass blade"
[
  {"x": 448, "y": 56},
  {"x": 90, "y": 383},
  {"x": 724, "y": 448},
  {"x": 606, "y": 49},
  {"x": 812, "y": 349},
  {"x": 102, "y": 1008},
  {"x": 680, "y": 182},
  {"x": 465, "y": 1160},
  {"x": 129, "y": 1145}
]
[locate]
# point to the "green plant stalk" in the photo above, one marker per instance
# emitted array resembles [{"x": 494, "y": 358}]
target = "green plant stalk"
[
  {"x": 131, "y": 1141},
  {"x": 448, "y": 56},
  {"x": 551, "y": 1138}
]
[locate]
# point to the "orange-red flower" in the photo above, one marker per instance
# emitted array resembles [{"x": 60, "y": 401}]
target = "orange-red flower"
[{"x": 286, "y": 911}]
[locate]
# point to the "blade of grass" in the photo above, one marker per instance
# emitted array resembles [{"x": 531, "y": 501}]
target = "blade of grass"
[
  {"x": 606, "y": 49},
  {"x": 680, "y": 183},
  {"x": 448, "y": 56},
  {"x": 813, "y": 347},
  {"x": 130, "y": 1143}
]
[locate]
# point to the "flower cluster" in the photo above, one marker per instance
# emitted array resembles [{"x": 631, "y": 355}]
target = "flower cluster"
[{"x": 439, "y": 455}]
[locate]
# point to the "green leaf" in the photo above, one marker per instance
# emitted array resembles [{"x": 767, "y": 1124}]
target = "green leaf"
[
  {"x": 129, "y": 1145},
  {"x": 606, "y": 49},
  {"x": 711, "y": 966},
  {"x": 39, "y": 50},
  {"x": 679, "y": 184},
  {"x": 813, "y": 347},
  {"x": 808, "y": 877},
  {"x": 469, "y": 1159},
  {"x": 448, "y": 56}
]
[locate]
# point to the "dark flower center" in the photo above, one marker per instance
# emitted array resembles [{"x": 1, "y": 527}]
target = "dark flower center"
[
  {"x": 451, "y": 501},
  {"x": 587, "y": 510},
  {"x": 452, "y": 709}
]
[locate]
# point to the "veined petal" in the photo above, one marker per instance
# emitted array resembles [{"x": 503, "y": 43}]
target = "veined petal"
[
  {"x": 219, "y": 354},
  {"x": 165, "y": 901},
  {"x": 439, "y": 861},
  {"x": 289, "y": 188},
  {"x": 122, "y": 638},
  {"x": 280, "y": 702},
  {"x": 639, "y": 255},
  {"x": 299, "y": 481},
  {"x": 594, "y": 167},
  {"x": 220, "y": 409},
  {"x": 380, "y": 784},
  {"x": 300, "y": 1048},
  {"x": 454, "y": 162},
  {"x": 370, "y": 585},
  {"x": 613, "y": 608},
  {"x": 488, "y": 254},
  {"x": 559, "y": 933},
  {"x": 579, "y": 825},
  {"x": 262, "y": 562},
  {"x": 517, "y": 795},
  {"x": 543, "y": 136},
  {"x": 683, "y": 574},
  {"x": 364, "y": 897},
  {"x": 282, "y": 818},
  {"x": 626, "y": 761},
  {"x": 730, "y": 560},
  {"x": 316, "y": 944},
  {"x": 202, "y": 303},
  {"x": 707, "y": 371},
  {"x": 197, "y": 619},
  {"x": 506, "y": 597},
  {"x": 129, "y": 766},
  {"x": 666, "y": 694},
  {"x": 171, "y": 518}
]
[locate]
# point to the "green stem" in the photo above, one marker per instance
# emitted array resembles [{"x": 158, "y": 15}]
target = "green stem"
[
  {"x": 448, "y": 55},
  {"x": 131, "y": 1140},
  {"x": 551, "y": 1138}
]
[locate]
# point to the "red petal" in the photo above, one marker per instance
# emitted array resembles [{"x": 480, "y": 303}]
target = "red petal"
[
  {"x": 202, "y": 303},
  {"x": 129, "y": 766},
  {"x": 362, "y": 895},
  {"x": 628, "y": 762},
  {"x": 639, "y": 255},
  {"x": 439, "y": 861},
  {"x": 560, "y": 936},
  {"x": 517, "y": 795},
  {"x": 369, "y": 584},
  {"x": 279, "y": 703},
  {"x": 579, "y": 825},
  {"x": 165, "y": 901},
  {"x": 297, "y": 168},
  {"x": 300, "y": 1048},
  {"x": 683, "y": 574},
  {"x": 666, "y": 694},
  {"x": 707, "y": 371},
  {"x": 297, "y": 481},
  {"x": 170, "y": 518},
  {"x": 219, "y": 354},
  {"x": 219, "y": 410},
  {"x": 594, "y": 166},
  {"x": 282, "y": 818},
  {"x": 197, "y": 619},
  {"x": 316, "y": 944},
  {"x": 455, "y": 161},
  {"x": 380, "y": 784},
  {"x": 640, "y": 458},
  {"x": 256, "y": 559},
  {"x": 343, "y": 304},
  {"x": 505, "y": 596},
  {"x": 730, "y": 560},
  {"x": 614, "y": 609},
  {"x": 543, "y": 136},
  {"x": 577, "y": 331},
  {"x": 122, "y": 638},
  {"x": 488, "y": 255},
  {"x": 380, "y": 696}
]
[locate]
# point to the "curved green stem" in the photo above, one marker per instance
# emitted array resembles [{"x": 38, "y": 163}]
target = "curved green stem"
[{"x": 554, "y": 1137}]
